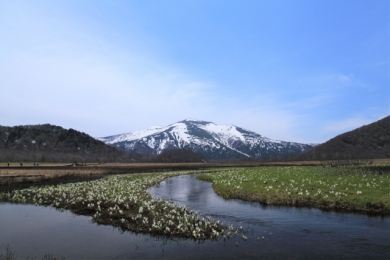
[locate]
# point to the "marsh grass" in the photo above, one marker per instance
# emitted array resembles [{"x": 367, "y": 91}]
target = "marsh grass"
[
  {"x": 13, "y": 178},
  {"x": 122, "y": 201},
  {"x": 349, "y": 188},
  {"x": 8, "y": 254}
]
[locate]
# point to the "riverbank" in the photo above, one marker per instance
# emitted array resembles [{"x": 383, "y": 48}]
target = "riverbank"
[
  {"x": 350, "y": 188},
  {"x": 16, "y": 176},
  {"x": 122, "y": 201}
]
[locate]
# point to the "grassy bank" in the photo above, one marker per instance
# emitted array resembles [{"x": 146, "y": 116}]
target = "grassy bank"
[
  {"x": 352, "y": 188},
  {"x": 122, "y": 201}
]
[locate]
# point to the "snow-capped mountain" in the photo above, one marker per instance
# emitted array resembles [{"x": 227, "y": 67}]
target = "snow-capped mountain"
[{"x": 214, "y": 142}]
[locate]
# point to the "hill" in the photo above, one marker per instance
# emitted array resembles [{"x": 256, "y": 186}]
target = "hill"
[
  {"x": 366, "y": 142},
  {"x": 212, "y": 141},
  {"x": 50, "y": 143}
]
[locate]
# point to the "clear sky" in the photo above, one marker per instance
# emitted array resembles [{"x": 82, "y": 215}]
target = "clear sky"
[{"x": 302, "y": 71}]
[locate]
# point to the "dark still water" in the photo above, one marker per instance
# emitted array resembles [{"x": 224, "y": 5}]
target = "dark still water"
[{"x": 273, "y": 232}]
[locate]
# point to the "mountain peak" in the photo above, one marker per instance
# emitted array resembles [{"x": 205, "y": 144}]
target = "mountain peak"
[
  {"x": 214, "y": 142},
  {"x": 155, "y": 127},
  {"x": 194, "y": 121}
]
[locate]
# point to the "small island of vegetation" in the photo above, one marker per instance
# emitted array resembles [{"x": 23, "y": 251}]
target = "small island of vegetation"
[{"x": 122, "y": 201}]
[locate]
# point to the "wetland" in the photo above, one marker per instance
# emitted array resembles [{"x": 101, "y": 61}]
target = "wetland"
[{"x": 231, "y": 228}]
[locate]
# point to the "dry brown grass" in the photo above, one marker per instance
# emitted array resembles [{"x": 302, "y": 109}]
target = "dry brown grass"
[
  {"x": 387, "y": 160},
  {"x": 58, "y": 169},
  {"x": 52, "y": 172}
]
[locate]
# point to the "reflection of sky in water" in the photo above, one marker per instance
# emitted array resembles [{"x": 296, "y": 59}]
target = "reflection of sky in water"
[
  {"x": 198, "y": 195},
  {"x": 288, "y": 232},
  {"x": 311, "y": 226}
]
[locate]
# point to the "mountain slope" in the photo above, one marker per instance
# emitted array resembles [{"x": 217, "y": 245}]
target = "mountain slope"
[
  {"x": 176, "y": 156},
  {"x": 369, "y": 141},
  {"x": 214, "y": 142},
  {"x": 52, "y": 143}
]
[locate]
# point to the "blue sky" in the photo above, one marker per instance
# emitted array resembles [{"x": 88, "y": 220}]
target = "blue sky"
[{"x": 301, "y": 71}]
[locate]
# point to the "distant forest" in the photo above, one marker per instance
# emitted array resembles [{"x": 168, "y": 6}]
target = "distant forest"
[
  {"x": 176, "y": 156},
  {"x": 366, "y": 142},
  {"x": 50, "y": 143}
]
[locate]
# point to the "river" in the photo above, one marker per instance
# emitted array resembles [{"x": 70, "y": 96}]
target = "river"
[{"x": 272, "y": 232}]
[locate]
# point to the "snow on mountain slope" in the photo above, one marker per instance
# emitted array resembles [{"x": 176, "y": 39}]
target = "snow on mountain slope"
[
  {"x": 130, "y": 136},
  {"x": 218, "y": 142},
  {"x": 223, "y": 132}
]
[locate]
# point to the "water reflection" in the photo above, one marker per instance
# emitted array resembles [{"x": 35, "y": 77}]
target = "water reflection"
[
  {"x": 295, "y": 231},
  {"x": 35, "y": 231},
  {"x": 273, "y": 232}
]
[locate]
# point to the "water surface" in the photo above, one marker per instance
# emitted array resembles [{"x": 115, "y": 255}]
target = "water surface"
[
  {"x": 273, "y": 232},
  {"x": 288, "y": 232}
]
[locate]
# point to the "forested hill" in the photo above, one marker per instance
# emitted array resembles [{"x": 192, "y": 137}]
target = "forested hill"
[
  {"x": 369, "y": 141},
  {"x": 50, "y": 143},
  {"x": 176, "y": 156}
]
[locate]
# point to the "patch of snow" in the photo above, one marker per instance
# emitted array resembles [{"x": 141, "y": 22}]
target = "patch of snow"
[
  {"x": 180, "y": 132},
  {"x": 224, "y": 132},
  {"x": 132, "y": 136},
  {"x": 162, "y": 145}
]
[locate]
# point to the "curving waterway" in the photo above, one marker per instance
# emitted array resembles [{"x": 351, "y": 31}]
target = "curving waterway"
[{"x": 272, "y": 232}]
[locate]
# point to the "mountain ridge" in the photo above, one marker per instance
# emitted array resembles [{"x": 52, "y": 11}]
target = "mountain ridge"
[
  {"x": 214, "y": 142},
  {"x": 365, "y": 142},
  {"x": 51, "y": 143}
]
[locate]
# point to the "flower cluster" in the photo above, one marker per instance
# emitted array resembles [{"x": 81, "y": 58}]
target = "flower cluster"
[
  {"x": 355, "y": 187},
  {"x": 123, "y": 201}
]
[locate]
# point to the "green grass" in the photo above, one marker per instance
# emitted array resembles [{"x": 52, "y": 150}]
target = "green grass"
[{"x": 350, "y": 188}]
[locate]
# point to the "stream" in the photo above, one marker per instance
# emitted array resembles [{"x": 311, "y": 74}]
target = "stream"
[{"x": 272, "y": 232}]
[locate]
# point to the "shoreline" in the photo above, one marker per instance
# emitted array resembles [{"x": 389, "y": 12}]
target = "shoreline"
[
  {"x": 265, "y": 194},
  {"x": 122, "y": 202}
]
